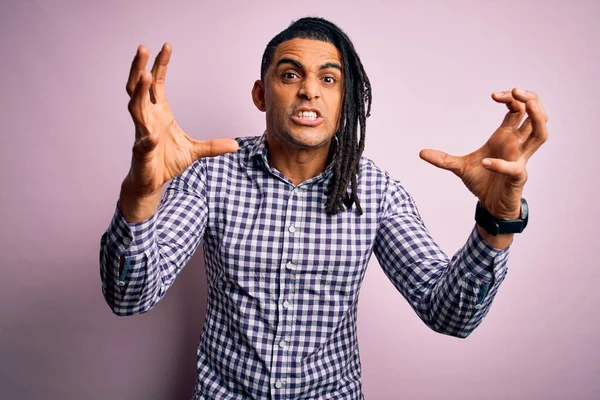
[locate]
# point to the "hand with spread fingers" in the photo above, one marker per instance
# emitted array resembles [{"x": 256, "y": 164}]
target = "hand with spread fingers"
[
  {"x": 495, "y": 172},
  {"x": 162, "y": 150}
]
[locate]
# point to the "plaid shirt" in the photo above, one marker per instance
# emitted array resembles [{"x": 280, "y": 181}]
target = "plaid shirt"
[{"x": 284, "y": 277}]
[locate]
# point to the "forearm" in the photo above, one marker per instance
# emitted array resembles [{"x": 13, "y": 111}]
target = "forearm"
[
  {"x": 451, "y": 296},
  {"x": 140, "y": 260},
  {"x": 128, "y": 274},
  {"x": 464, "y": 294},
  {"x": 135, "y": 207}
]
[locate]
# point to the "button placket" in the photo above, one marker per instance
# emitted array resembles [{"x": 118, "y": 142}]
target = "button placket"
[{"x": 286, "y": 289}]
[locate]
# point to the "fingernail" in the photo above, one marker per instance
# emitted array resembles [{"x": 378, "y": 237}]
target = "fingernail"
[
  {"x": 487, "y": 162},
  {"x": 519, "y": 91},
  {"x": 498, "y": 94}
]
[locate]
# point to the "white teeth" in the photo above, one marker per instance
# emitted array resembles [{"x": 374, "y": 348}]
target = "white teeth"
[{"x": 310, "y": 115}]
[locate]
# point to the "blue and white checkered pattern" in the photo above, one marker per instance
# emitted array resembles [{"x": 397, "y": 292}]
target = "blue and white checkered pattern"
[{"x": 284, "y": 277}]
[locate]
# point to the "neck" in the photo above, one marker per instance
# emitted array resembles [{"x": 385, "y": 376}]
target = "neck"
[{"x": 298, "y": 164}]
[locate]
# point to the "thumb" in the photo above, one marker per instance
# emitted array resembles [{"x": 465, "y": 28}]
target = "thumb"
[
  {"x": 513, "y": 169},
  {"x": 442, "y": 160},
  {"x": 215, "y": 147}
]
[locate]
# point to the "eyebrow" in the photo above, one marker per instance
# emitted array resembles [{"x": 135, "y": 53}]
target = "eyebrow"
[
  {"x": 299, "y": 65},
  {"x": 331, "y": 65}
]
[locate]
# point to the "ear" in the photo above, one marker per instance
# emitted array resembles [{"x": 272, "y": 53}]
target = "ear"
[{"x": 258, "y": 95}]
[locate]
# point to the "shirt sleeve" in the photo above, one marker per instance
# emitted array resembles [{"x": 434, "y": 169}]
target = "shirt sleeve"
[
  {"x": 452, "y": 296},
  {"x": 154, "y": 251}
]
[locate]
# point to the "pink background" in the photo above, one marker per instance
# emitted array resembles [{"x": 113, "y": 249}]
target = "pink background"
[{"x": 65, "y": 146}]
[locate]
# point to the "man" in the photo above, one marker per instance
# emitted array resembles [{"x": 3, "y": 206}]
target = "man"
[{"x": 290, "y": 219}]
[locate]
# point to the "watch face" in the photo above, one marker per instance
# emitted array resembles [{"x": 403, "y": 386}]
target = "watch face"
[{"x": 524, "y": 210}]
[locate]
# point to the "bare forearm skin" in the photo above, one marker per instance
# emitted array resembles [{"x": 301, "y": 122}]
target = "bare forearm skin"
[{"x": 135, "y": 207}]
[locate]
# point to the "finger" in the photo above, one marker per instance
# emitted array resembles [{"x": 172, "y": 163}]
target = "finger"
[
  {"x": 215, "y": 147},
  {"x": 138, "y": 66},
  {"x": 525, "y": 129},
  {"x": 526, "y": 95},
  {"x": 523, "y": 95},
  {"x": 443, "y": 160},
  {"x": 538, "y": 127},
  {"x": 159, "y": 73},
  {"x": 516, "y": 109},
  {"x": 139, "y": 97},
  {"x": 537, "y": 117},
  {"x": 514, "y": 169}
]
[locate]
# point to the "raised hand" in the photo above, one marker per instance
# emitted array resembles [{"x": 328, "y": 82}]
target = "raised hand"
[
  {"x": 162, "y": 150},
  {"x": 495, "y": 172}
]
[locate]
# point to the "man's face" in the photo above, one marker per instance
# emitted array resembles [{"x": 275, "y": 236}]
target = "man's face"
[{"x": 302, "y": 92}]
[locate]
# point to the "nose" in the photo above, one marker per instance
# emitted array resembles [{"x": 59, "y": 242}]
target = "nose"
[{"x": 309, "y": 89}]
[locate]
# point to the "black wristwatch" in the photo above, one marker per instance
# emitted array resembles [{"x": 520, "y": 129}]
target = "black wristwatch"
[{"x": 495, "y": 226}]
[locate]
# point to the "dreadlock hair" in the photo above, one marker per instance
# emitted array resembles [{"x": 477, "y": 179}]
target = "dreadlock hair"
[{"x": 356, "y": 107}]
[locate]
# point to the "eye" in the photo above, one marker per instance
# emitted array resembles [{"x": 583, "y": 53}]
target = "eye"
[
  {"x": 329, "y": 79},
  {"x": 289, "y": 76}
]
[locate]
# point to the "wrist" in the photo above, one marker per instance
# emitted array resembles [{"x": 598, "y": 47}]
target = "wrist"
[
  {"x": 499, "y": 242},
  {"x": 495, "y": 226},
  {"x": 502, "y": 212},
  {"x": 137, "y": 207}
]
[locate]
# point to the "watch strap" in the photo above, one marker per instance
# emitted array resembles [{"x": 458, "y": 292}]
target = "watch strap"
[{"x": 495, "y": 226}]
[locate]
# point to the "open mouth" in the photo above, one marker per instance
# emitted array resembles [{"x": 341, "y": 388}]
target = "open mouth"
[
  {"x": 307, "y": 118},
  {"x": 308, "y": 115}
]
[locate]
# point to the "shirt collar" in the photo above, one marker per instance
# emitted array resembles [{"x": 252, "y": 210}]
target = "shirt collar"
[{"x": 259, "y": 151}]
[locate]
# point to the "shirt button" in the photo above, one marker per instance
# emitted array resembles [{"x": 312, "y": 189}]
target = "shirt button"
[
  {"x": 121, "y": 283},
  {"x": 282, "y": 344},
  {"x": 286, "y": 304},
  {"x": 292, "y": 228},
  {"x": 278, "y": 384},
  {"x": 126, "y": 241},
  {"x": 290, "y": 265}
]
